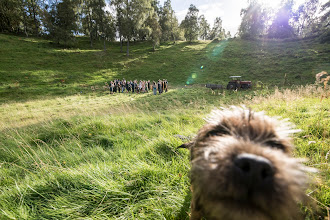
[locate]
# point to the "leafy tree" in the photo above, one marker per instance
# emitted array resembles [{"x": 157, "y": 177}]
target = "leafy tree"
[
  {"x": 156, "y": 32},
  {"x": 168, "y": 21},
  {"x": 281, "y": 27},
  {"x": 20, "y": 15},
  {"x": 217, "y": 31},
  {"x": 133, "y": 15},
  {"x": 253, "y": 21},
  {"x": 10, "y": 15},
  {"x": 102, "y": 21},
  {"x": 177, "y": 32},
  {"x": 305, "y": 17},
  {"x": 88, "y": 27},
  {"x": 190, "y": 24},
  {"x": 109, "y": 30},
  {"x": 96, "y": 22},
  {"x": 228, "y": 35},
  {"x": 119, "y": 7},
  {"x": 165, "y": 20},
  {"x": 204, "y": 27},
  {"x": 32, "y": 15},
  {"x": 61, "y": 21},
  {"x": 324, "y": 23}
]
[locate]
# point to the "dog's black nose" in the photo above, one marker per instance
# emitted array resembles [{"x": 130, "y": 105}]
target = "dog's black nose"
[{"x": 253, "y": 169}]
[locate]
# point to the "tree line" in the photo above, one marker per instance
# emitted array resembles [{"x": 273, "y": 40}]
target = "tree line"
[
  {"x": 138, "y": 20},
  {"x": 310, "y": 19}
]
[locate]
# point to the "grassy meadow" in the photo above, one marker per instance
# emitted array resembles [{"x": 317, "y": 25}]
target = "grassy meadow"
[{"x": 67, "y": 152}]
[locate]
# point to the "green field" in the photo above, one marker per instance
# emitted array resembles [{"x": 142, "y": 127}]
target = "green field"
[
  {"x": 67, "y": 152},
  {"x": 35, "y": 69}
]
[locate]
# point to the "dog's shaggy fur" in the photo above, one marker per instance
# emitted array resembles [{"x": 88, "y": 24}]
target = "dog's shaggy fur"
[{"x": 241, "y": 168}]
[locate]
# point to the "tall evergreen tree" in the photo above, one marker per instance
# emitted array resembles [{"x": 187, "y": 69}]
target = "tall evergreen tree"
[
  {"x": 33, "y": 12},
  {"x": 119, "y": 8},
  {"x": 217, "y": 31},
  {"x": 176, "y": 30},
  {"x": 109, "y": 26},
  {"x": 133, "y": 15},
  {"x": 253, "y": 20},
  {"x": 281, "y": 27},
  {"x": 190, "y": 23},
  {"x": 324, "y": 24},
  {"x": 10, "y": 15},
  {"x": 61, "y": 21},
  {"x": 88, "y": 25},
  {"x": 165, "y": 20},
  {"x": 156, "y": 32},
  {"x": 169, "y": 22},
  {"x": 204, "y": 27},
  {"x": 228, "y": 35},
  {"x": 100, "y": 20},
  {"x": 305, "y": 17},
  {"x": 97, "y": 23}
]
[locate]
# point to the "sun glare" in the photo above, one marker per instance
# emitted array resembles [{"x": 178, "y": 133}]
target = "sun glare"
[{"x": 275, "y": 4}]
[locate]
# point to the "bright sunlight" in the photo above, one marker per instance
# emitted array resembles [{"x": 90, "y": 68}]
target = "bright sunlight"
[{"x": 275, "y": 4}]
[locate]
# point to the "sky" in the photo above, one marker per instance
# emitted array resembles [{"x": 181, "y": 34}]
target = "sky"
[{"x": 228, "y": 10}]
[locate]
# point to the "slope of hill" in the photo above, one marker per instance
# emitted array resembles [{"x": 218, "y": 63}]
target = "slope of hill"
[
  {"x": 35, "y": 68},
  {"x": 68, "y": 152}
]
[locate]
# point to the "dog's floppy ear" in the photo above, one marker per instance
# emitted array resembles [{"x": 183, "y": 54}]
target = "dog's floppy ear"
[{"x": 187, "y": 145}]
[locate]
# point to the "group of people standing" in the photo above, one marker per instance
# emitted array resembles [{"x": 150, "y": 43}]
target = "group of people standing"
[{"x": 141, "y": 86}]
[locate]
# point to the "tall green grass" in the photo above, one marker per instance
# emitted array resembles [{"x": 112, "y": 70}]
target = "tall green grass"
[
  {"x": 122, "y": 163},
  {"x": 67, "y": 152},
  {"x": 33, "y": 68}
]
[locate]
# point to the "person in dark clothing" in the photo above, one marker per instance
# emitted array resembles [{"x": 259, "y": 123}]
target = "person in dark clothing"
[
  {"x": 127, "y": 86},
  {"x": 136, "y": 86},
  {"x": 163, "y": 85},
  {"x": 123, "y": 85},
  {"x": 115, "y": 86},
  {"x": 159, "y": 87},
  {"x": 111, "y": 87},
  {"x": 154, "y": 88},
  {"x": 118, "y": 86},
  {"x": 166, "y": 85}
]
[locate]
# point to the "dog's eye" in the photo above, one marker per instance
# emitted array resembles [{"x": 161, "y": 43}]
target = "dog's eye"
[
  {"x": 275, "y": 144},
  {"x": 218, "y": 131}
]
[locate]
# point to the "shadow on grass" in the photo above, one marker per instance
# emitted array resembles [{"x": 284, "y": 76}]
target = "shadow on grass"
[
  {"x": 185, "y": 208},
  {"x": 51, "y": 72},
  {"x": 165, "y": 152}
]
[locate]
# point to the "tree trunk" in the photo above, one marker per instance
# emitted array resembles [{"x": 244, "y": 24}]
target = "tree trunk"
[
  {"x": 105, "y": 49},
  {"x": 91, "y": 38},
  {"x": 127, "y": 50},
  {"x": 34, "y": 17},
  {"x": 90, "y": 28},
  {"x": 24, "y": 19},
  {"x": 121, "y": 43}
]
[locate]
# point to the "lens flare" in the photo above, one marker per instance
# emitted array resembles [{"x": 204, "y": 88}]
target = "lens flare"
[{"x": 217, "y": 51}]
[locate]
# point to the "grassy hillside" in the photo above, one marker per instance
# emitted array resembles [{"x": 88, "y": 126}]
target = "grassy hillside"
[
  {"x": 69, "y": 153},
  {"x": 34, "y": 68}
]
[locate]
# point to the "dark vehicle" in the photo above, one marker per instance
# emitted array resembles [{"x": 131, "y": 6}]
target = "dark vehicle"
[
  {"x": 214, "y": 86},
  {"x": 237, "y": 83}
]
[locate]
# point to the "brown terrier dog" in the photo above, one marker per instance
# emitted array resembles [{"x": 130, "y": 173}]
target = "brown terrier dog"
[{"x": 241, "y": 168}]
